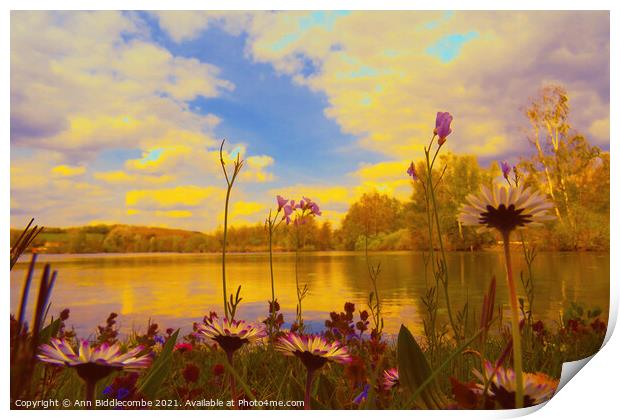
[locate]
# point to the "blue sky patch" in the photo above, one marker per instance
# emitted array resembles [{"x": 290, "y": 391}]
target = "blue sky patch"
[{"x": 449, "y": 47}]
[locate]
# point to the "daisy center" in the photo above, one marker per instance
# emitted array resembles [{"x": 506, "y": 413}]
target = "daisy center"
[{"x": 504, "y": 218}]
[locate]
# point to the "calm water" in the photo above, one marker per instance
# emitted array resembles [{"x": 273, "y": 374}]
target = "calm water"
[{"x": 176, "y": 289}]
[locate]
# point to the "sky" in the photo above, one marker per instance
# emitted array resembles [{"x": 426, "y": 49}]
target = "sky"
[{"x": 117, "y": 117}]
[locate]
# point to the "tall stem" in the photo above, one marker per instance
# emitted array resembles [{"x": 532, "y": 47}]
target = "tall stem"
[
  {"x": 373, "y": 278},
  {"x": 224, "y": 250},
  {"x": 273, "y": 292},
  {"x": 429, "y": 168},
  {"x": 516, "y": 333},
  {"x": 309, "y": 380}
]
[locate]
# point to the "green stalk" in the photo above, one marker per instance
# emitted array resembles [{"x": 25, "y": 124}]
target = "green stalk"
[
  {"x": 376, "y": 317},
  {"x": 429, "y": 168},
  {"x": 224, "y": 250},
  {"x": 516, "y": 334},
  {"x": 273, "y": 292}
]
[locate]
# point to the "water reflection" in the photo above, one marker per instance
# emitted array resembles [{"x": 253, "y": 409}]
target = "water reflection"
[{"x": 177, "y": 289}]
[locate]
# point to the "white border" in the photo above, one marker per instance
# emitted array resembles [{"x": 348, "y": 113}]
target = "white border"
[{"x": 593, "y": 394}]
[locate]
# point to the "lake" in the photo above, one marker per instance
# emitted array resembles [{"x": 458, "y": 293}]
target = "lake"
[{"x": 175, "y": 290}]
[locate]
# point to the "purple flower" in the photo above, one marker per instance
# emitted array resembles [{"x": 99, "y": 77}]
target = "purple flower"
[
  {"x": 412, "y": 172},
  {"x": 362, "y": 395},
  {"x": 108, "y": 390},
  {"x": 159, "y": 339},
  {"x": 314, "y": 207},
  {"x": 505, "y": 168},
  {"x": 442, "y": 126},
  {"x": 281, "y": 202},
  {"x": 288, "y": 210}
]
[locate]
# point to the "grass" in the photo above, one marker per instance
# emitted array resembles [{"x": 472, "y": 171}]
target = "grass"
[{"x": 272, "y": 377}]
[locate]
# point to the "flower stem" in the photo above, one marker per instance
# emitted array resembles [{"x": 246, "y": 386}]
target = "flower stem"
[
  {"x": 309, "y": 380},
  {"x": 233, "y": 392},
  {"x": 516, "y": 333},
  {"x": 90, "y": 393},
  {"x": 444, "y": 268},
  {"x": 273, "y": 292},
  {"x": 224, "y": 250}
]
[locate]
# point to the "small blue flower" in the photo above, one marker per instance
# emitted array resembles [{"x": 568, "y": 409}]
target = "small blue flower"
[
  {"x": 362, "y": 396},
  {"x": 159, "y": 339},
  {"x": 107, "y": 390},
  {"x": 122, "y": 393}
]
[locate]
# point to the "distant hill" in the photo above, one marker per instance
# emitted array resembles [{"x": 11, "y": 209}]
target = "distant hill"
[
  {"x": 128, "y": 238},
  {"x": 120, "y": 238}
]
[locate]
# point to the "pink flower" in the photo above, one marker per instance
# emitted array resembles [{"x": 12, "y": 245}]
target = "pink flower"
[
  {"x": 288, "y": 210},
  {"x": 281, "y": 202},
  {"x": 391, "y": 378},
  {"x": 315, "y": 209},
  {"x": 183, "y": 347},
  {"x": 442, "y": 126},
  {"x": 412, "y": 172}
]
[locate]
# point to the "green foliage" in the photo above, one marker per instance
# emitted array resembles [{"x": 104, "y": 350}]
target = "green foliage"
[
  {"x": 157, "y": 373},
  {"x": 414, "y": 371}
]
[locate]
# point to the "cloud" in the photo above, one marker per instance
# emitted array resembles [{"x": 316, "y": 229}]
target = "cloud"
[
  {"x": 171, "y": 198},
  {"x": 186, "y": 25},
  {"x": 65, "y": 97},
  {"x": 255, "y": 170},
  {"x": 385, "y": 90},
  {"x": 246, "y": 212},
  {"x": 599, "y": 129},
  {"x": 128, "y": 179},
  {"x": 68, "y": 170},
  {"x": 389, "y": 177}
]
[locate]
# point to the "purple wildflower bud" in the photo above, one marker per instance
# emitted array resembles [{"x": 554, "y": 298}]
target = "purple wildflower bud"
[
  {"x": 412, "y": 172},
  {"x": 505, "y": 168},
  {"x": 442, "y": 126},
  {"x": 107, "y": 390},
  {"x": 159, "y": 339},
  {"x": 281, "y": 202}
]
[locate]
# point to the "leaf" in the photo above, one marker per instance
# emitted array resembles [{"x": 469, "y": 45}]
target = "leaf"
[
  {"x": 159, "y": 370},
  {"x": 414, "y": 370},
  {"x": 429, "y": 382},
  {"x": 50, "y": 331}
]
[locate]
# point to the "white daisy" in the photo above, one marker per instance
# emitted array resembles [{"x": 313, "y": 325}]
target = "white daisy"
[{"x": 505, "y": 208}]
